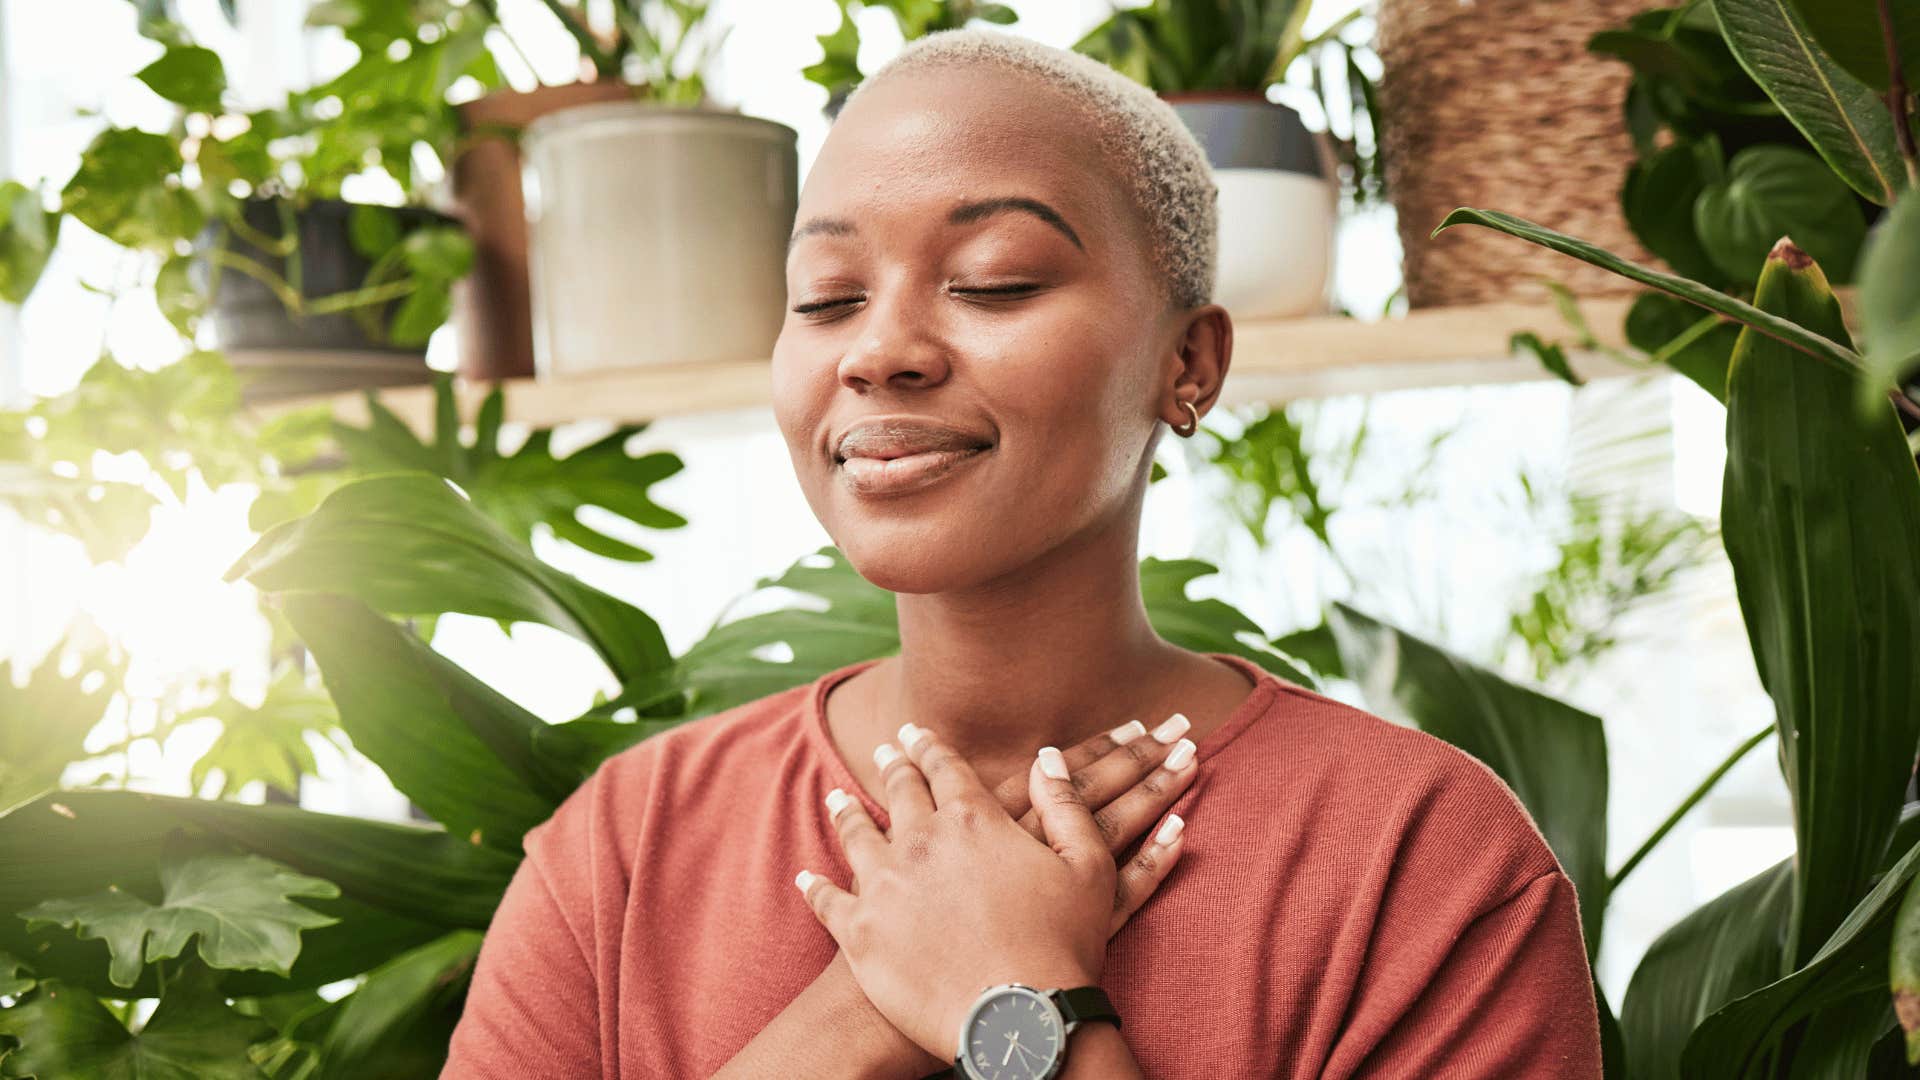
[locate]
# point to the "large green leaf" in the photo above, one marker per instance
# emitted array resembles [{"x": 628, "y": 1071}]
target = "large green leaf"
[
  {"x": 1658, "y": 197},
  {"x": 27, "y": 232},
  {"x": 65, "y": 1033},
  {"x": 240, "y": 906},
  {"x": 16, "y": 978},
  {"x": 1839, "y": 355},
  {"x": 409, "y": 544},
  {"x": 1890, "y": 301},
  {"x": 1820, "y": 515},
  {"x": 1903, "y": 970},
  {"x": 187, "y": 75},
  {"x": 1852, "y": 33},
  {"x": 382, "y": 1021},
  {"x": 453, "y": 744},
  {"x": 1551, "y": 754},
  {"x": 1844, "y": 119},
  {"x": 1845, "y": 979},
  {"x": 1775, "y": 191},
  {"x": 1206, "y": 625},
  {"x": 44, "y": 724},
  {"x": 529, "y": 486},
  {"x": 127, "y": 189}
]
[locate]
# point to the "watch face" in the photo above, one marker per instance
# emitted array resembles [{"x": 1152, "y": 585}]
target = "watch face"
[{"x": 1013, "y": 1034}]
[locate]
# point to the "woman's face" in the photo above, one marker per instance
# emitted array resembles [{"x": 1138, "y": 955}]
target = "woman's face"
[{"x": 963, "y": 259}]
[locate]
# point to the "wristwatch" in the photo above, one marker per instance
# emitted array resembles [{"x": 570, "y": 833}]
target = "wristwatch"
[{"x": 1015, "y": 1032}]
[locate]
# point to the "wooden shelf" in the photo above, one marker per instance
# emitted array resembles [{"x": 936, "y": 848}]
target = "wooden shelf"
[{"x": 1274, "y": 360}]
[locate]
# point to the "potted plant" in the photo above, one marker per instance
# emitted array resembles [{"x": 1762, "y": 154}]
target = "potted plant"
[
  {"x": 657, "y": 227},
  {"x": 1213, "y": 60},
  {"x": 239, "y": 215}
]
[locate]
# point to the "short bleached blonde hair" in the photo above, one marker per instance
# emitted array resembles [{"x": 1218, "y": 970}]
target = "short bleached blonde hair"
[{"x": 1139, "y": 136}]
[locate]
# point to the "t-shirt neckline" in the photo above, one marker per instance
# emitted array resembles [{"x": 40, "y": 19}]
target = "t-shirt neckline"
[{"x": 1266, "y": 688}]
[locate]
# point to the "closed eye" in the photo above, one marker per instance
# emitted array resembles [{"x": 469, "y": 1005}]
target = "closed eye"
[{"x": 1002, "y": 291}]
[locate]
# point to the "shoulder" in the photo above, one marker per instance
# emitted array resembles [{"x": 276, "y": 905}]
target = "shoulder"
[
  {"x": 649, "y": 776},
  {"x": 1397, "y": 795}
]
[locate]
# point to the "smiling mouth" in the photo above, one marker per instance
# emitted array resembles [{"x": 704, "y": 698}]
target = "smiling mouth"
[{"x": 909, "y": 472}]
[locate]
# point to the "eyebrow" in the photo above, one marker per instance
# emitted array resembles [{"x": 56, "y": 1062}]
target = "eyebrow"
[{"x": 964, "y": 214}]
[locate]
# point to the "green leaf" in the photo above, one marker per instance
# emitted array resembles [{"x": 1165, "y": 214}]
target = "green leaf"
[
  {"x": 1819, "y": 513},
  {"x": 1551, "y": 754},
  {"x": 127, "y": 189},
  {"x": 407, "y": 544},
  {"x": 180, "y": 300},
  {"x": 838, "y": 68},
  {"x": 27, "y": 235},
  {"x": 455, "y": 746},
  {"x": 1890, "y": 301},
  {"x": 1697, "y": 346},
  {"x": 1658, "y": 198},
  {"x": 1851, "y": 32},
  {"x": 1775, "y": 191},
  {"x": 187, "y": 75},
  {"x": 240, "y": 906},
  {"x": 267, "y": 743},
  {"x": 372, "y": 229},
  {"x": 1851, "y": 962},
  {"x": 66, "y": 1033},
  {"x": 1903, "y": 970},
  {"x": 1551, "y": 357},
  {"x": 440, "y": 253},
  {"x": 424, "y": 310},
  {"x": 381, "y": 1020},
  {"x": 44, "y": 724},
  {"x": 1206, "y": 624},
  {"x": 1835, "y": 353},
  {"x": 16, "y": 978},
  {"x": 1844, "y": 119}
]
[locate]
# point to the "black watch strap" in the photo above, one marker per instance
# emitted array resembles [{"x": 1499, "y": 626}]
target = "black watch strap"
[{"x": 1084, "y": 1003}]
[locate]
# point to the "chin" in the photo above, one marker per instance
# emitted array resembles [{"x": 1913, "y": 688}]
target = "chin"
[{"x": 910, "y": 557}]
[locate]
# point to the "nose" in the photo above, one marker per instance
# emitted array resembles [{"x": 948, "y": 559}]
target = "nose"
[{"x": 897, "y": 346}]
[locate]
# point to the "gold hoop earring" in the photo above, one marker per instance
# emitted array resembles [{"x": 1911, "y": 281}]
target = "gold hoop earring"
[{"x": 1191, "y": 428}]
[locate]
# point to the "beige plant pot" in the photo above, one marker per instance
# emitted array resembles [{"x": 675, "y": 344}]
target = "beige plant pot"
[{"x": 656, "y": 235}]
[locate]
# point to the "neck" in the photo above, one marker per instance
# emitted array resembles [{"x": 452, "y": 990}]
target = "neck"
[{"x": 1046, "y": 657}]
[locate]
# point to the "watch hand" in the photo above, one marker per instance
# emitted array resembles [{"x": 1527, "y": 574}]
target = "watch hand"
[
  {"x": 1028, "y": 1053},
  {"x": 1013, "y": 1043}
]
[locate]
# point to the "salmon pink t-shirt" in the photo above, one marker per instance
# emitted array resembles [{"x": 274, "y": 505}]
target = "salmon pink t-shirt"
[{"x": 1356, "y": 899}]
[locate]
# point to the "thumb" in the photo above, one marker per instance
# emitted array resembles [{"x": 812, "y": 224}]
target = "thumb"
[{"x": 1069, "y": 825}]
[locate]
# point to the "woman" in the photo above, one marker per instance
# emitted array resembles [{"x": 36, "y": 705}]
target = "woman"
[{"x": 999, "y": 287}]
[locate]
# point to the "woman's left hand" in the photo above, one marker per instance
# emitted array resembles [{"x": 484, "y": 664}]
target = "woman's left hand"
[{"x": 961, "y": 897}]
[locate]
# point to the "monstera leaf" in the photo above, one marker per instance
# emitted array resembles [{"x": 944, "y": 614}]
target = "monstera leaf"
[
  {"x": 63, "y": 1031},
  {"x": 530, "y": 486}
]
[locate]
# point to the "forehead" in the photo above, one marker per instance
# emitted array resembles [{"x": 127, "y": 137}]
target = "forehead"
[{"x": 919, "y": 142}]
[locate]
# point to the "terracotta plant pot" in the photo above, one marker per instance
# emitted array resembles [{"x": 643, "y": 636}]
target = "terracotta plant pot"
[
  {"x": 1278, "y": 202},
  {"x": 492, "y": 306}
]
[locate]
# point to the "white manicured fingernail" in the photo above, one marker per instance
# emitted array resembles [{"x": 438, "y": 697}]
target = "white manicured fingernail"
[
  {"x": 885, "y": 755},
  {"x": 1127, "y": 732},
  {"x": 909, "y": 735},
  {"x": 837, "y": 801},
  {"x": 1170, "y": 831},
  {"x": 1172, "y": 728},
  {"x": 805, "y": 878},
  {"x": 1181, "y": 755},
  {"x": 1052, "y": 763}
]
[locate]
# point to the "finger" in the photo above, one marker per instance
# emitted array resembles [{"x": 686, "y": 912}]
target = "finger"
[
  {"x": 859, "y": 837},
  {"x": 1012, "y": 792},
  {"x": 1124, "y": 818},
  {"x": 1069, "y": 824},
  {"x": 1131, "y": 771},
  {"x": 950, "y": 777},
  {"x": 1143, "y": 873},
  {"x": 831, "y": 904},
  {"x": 908, "y": 800}
]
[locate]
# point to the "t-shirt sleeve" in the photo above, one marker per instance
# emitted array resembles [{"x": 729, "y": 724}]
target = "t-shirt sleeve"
[
  {"x": 1512, "y": 998},
  {"x": 533, "y": 1007}
]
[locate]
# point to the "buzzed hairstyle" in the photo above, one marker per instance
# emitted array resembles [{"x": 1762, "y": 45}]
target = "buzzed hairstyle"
[{"x": 1143, "y": 141}]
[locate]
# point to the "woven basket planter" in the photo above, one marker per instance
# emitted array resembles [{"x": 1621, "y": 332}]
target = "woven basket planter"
[{"x": 1497, "y": 104}]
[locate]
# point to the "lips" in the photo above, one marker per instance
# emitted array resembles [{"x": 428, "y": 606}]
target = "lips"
[{"x": 894, "y": 455}]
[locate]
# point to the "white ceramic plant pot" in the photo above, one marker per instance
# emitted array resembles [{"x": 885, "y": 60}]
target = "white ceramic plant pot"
[
  {"x": 656, "y": 235},
  {"x": 1278, "y": 204}
]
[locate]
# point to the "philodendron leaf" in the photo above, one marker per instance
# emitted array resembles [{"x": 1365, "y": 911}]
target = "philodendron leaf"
[
  {"x": 1844, "y": 119},
  {"x": 1551, "y": 754},
  {"x": 1773, "y": 326},
  {"x": 529, "y": 486},
  {"x": 187, "y": 75},
  {"x": 44, "y": 724},
  {"x": 1890, "y": 302},
  {"x": 1820, "y": 514},
  {"x": 1205, "y": 624},
  {"x": 408, "y": 544},
  {"x": 16, "y": 978},
  {"x": 381, "y": 1019},
  {"x": 1774, "y": 191},
  {"x": 65, "y": 1032},
  {"x": 240, "y": 906},
  {"x": 267, "y": 742}
]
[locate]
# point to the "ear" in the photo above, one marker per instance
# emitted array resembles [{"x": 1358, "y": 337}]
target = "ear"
[{"x": 1203, "y": 347}]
